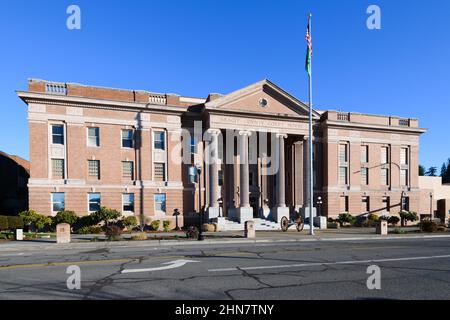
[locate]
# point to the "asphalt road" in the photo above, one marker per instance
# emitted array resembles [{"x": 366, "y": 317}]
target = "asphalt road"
[{"x": 410, "y": 269}]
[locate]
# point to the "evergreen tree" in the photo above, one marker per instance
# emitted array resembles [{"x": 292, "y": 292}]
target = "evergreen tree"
[
  {"x": 431, "y": 172},
  {"x": 443, "y": 170},
  {"x": 446, "y": 177},
  {"x": 421, "y": 170}
]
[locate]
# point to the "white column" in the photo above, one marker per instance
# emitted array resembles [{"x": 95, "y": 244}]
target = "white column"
[
  {"x": 245, "y": 210},
  {"x": 213, "y": 174},
  {"x": 281, "y": 210}
]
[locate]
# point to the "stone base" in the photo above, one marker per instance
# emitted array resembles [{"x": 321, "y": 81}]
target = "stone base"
[
  {"x": 244, "y": 214},
  {"x": 305, "y": 212},
  {"x": 212, "y": 213},
  {"x": 279, "y": 212},
  {"x": 221, "y": 221},
  {"x": 382, "y": 228},
  {"x": 320, "y": 222},
  {"x": 249, "y": 230}
]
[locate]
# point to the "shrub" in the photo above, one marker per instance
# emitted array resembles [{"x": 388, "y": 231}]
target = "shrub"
[
  {"x": 166, "y": 226},
  {"x": 15, "y": 222},
  {"x": 428, "y": 226},
  {"x": 346, "y": 218},
  {"x": 4, "y": 223},
  {"x": 113, "y": 232},
  {"x": 398, "y": 231},
  {"x": 192, "y": 233},
  {"x": 69, "y": 217},
  {"x": 408, "y": 216},
  {"x": 83, "y": 230},
  {"x": 105, "y": 215},
  {"x": 154, "y": 225},
  {"x": 130, "y": 222},
  {"x": 373, "y": 217},
  {"x": 95, "y": 230},
  {"x": 139, "y": 237},
  {"x": 393, "y": 220},
  {"x": 35, "y": 219}
]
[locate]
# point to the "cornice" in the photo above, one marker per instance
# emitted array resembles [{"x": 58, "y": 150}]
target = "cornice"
[{"x": 371, "y": 127}]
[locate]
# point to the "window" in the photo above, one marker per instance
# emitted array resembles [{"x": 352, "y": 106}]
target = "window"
[
  {"x": 94, "y": 169},
  {"x": 58, "y": 202},
  {"x": 128, "y": 202},
  {"x": 404, "y": 156},
  {"x": 364, "y": 154},
  {"x": 366, "y": 204},
  {"x": 384, "y": 155},
  {"x": 384, "y": 177},
  {"x": 343, "y": 164},
  {"x": 58, "y": 169},
  {"x": 127, "y": 170},
  {"x": 58, "y": 134},
  {"x": 193, "y": 145},
  {"x": 127, "y": 138},
  {"x": 343, "y": 204},
  {"x": 160, "y": 172},
  {"x": 159, "y": 140},
  {"x": 160, "y": 203},
  {"x": 343, "y": 154},
  {"x": 93, "y": 137},
  {"x": 404, "y": 177},
  {"x": 387, "y": 203},
  {"x": 94, "y": 202},
  {"x": 405, "y": 204},
  {"x": 343, "y": 176},
  {"x": 364, "y": 176}
]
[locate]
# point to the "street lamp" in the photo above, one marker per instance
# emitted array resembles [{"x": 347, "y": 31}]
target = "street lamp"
[
  {"x": 431, "y": 206},
  {"x": 319, "y": 202},
  {"x": 198, "y": 171}
]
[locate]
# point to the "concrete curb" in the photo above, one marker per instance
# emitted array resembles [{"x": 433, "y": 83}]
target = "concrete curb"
[{"x": 176, "y": 243}]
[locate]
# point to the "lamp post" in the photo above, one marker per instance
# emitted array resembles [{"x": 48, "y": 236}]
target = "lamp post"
[
  {"x": 431, "y": 206},
  {"x": 319, "y": 203},
  {"x": 220, "y": 202},
  {"x": 198, "y": 171}
]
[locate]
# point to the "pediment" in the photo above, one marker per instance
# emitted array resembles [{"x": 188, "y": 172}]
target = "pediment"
[{"x": 263, "y": 97}]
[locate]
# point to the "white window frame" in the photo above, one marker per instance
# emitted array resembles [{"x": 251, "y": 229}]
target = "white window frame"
[
  {"x": 89, "y": 201},
  {"x": 132, "y": 171},
  {"x": 63, "y": 168},
  {"x": 63, "y": 134},
  {"x": 89, "y": 171},
  {"x": 97, "y": 142},
  {"x": 158, "y": 131},
  {"x": 132, "y": 139},
  {"x": 52, "y": 202},
  {"x": 159, "y": 212},
  {"x": 123, "y": 203}
]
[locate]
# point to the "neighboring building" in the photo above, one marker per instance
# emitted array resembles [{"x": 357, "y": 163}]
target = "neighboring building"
[
  {"x": 14, "y": 174},
  {"x": 435, "y": 197},
  {"x": 92, "y": 146}
]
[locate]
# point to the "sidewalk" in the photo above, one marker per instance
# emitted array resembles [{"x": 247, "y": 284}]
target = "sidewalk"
[{"x": 231, "y": 237}]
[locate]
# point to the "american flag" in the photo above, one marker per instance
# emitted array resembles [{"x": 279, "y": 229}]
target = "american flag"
[
  {"x": 309, "y": 51},
  {"x": 308, "y": 40}
]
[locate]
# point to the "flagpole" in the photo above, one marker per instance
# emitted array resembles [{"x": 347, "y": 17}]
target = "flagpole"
[{"x": 311, "y": 168}]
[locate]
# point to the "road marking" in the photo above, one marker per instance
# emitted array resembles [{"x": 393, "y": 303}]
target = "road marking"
[
  {"x": 328, "y": 263},
  {"x": 63, "y": 264},
  {"x": 168, "y": 265},
  {"x": 12, "y": 254}
]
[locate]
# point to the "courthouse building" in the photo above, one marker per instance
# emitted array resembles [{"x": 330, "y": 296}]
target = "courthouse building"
[{"x": 132, "y": 151}]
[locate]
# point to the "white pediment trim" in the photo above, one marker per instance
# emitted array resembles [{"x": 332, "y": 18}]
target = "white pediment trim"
[{"x": 256, "y": 87}]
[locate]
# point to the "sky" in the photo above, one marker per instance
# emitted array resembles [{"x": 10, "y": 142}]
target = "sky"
[{"x": 197, "y": 47}]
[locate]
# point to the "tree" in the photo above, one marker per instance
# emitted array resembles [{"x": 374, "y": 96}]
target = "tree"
[
  {"x": 105, "y": 215},
  {"x": 69, "y": 217},
  {"x": 130, "y": 222},
  {"x": 38, "y": 221},
  {"x": 421, "y": 170},
  {"x": 446, "y": 177},
  {"x": 443, "y": 170},
  {"x": 431, "y": 172}
]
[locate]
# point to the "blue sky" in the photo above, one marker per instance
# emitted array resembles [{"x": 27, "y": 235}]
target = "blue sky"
[{"x": 197, "y": 47}]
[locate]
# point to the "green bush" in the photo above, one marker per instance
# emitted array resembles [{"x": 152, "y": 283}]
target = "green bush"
[
  {"x": 192, "y": 233},
  {"x": 15, "y": 222},
  {"x": 38, "y": 221},
  {"x": 105, "y": 215},
  {"x": 393, "y": 220},
  {"x": 346, "y": 218},
  {"x": 66, "y": 216},
  {"x": 90, "y": 230},
  {"x": 373, "y": 217},
  {"x": 428, "y": 226},
  {"x": 166, "y": 226},
  {"x": 113, "y": 232},
  {"x": 408, "y": 216},
  {"x": 4, "y": 223},
  {"x": 154, "y": 225},
  {"x": 130, "y": 222}
]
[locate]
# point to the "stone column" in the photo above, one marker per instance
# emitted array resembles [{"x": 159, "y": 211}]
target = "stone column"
[
  {"x": 245, "y": 210},
  {"x": 213, "y": 166},
  {"x": 281, "y": 210}
]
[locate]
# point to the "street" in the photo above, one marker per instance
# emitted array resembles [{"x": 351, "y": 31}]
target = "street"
[{"x": 410, "y": 269}]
